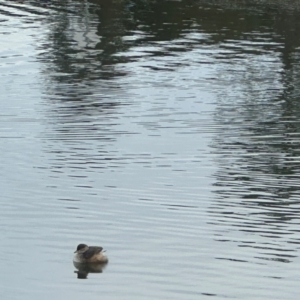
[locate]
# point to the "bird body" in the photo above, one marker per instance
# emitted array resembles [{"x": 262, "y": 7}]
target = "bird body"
[{"x": 89, "y": 254}]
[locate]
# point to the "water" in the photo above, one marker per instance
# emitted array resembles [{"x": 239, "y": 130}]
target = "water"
[{"x": 166, "y": 132}]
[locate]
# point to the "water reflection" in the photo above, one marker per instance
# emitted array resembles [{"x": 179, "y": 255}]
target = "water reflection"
[
  {"x": 94, "y": 46},
  {"x": 171, "y": 126},
  {"x": 257, "y": 181},
  {"x": 83, "y": 270}
]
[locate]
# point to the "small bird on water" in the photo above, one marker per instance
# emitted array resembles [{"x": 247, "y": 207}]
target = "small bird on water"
[{"x": 89, "y": 254}]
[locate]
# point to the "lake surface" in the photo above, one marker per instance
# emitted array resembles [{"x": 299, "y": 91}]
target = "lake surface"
[{"x": 166, "y": 132}]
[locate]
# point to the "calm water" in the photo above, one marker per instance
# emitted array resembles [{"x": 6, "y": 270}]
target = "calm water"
[{"x": 166, "y": 132}]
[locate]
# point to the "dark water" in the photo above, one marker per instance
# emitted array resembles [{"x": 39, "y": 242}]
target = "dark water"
[{"x": 166, "y": 132}]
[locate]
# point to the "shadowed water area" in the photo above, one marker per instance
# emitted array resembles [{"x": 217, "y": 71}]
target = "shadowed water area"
[{"x": 166, "y": 132}]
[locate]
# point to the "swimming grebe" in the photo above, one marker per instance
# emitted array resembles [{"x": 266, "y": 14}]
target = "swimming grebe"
[{"x": 92, "y": 254}]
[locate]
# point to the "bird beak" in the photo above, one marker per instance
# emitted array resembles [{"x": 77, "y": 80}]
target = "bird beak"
[{"x": 75, "y": 251}]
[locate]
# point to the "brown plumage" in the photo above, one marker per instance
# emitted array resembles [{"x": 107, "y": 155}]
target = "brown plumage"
[{"x": 89, "y": 254}]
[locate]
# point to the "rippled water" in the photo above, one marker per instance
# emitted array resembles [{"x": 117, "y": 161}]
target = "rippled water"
[{"x": 166, "y": 132}]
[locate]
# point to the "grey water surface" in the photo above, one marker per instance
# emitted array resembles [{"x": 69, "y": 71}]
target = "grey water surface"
[{"x": 166, "y": 132}]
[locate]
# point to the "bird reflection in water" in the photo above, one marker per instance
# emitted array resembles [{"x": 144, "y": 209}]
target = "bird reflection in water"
[{"x": 83, "y": 269}]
